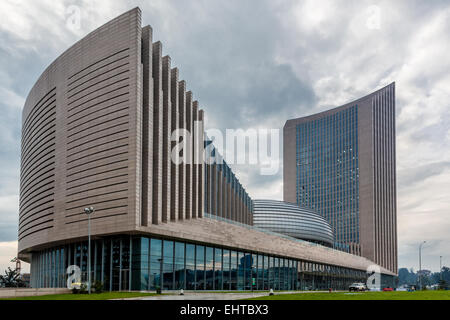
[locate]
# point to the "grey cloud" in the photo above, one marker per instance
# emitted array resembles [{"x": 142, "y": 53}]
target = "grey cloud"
[
  {"x": 228, "y": 60},
  {"x": 410, "y": 177},
  {"x": 434, "y": 134},
  {"x": 255, "y": 178},
  {"x": 8, "y": 232},
  {"x": 408, "y": 255}
]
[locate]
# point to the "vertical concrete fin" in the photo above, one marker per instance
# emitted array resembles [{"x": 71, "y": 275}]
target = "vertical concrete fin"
[
  {"x": 214, "y": 189},
  {"x": 182, "y": 167},
  {"x": 157, "y": 133},
  {"x": 189, "y": 166},
  {"x": 195, "y": 181},
  {"x": 201, "y": 164},
  {"x": 147, "y": 127},
  {"x": 167, "y": 132},
  {"x": 174, "y": 183}
]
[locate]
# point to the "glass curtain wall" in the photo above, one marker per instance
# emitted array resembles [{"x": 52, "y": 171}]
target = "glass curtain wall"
[
  {"x": 200, "y": 268},
  {"x": 167, "y": 263},
  {"x": 141, "y": 263},
  {"x": 155, "y": 264},
  {"x": 218, "y": 272},
  {"x": 179, "y": 261},
  {"x": 190, "y": 266}
]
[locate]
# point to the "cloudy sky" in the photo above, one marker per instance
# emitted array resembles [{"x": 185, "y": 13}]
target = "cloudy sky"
[{"x": 258, "y": 63}]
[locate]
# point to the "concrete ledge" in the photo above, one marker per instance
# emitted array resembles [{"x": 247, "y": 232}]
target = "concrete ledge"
[{"x": 28, "y": 292}]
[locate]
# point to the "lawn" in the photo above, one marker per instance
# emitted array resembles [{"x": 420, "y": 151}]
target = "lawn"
[
  {"x": 94, "y": 296},
  {"x": 396, "y": 295}
]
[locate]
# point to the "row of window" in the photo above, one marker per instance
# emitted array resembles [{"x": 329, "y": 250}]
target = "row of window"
[
  {"x": 214, "y": 190},
  {"x": 327, "y": 171}
]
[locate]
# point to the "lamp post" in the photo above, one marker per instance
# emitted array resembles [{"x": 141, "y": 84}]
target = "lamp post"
[
  {"x": 440, "y": 268},
  {"x": 420, "y": 264},
  {"x": 89, "y": 211}
]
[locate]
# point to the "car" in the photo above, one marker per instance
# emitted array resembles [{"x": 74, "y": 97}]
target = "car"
[
  {"x": 388, "y": 289},
  {"x": 357, "y": 286}
]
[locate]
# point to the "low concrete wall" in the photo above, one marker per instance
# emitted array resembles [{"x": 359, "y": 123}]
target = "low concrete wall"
[{"x": 26, "y": 292}]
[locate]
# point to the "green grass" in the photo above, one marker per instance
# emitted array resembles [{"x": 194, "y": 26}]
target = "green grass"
[
  {"x": 396, "y": 295},
  {"x": 418, "y": 295},
  {"x": 235, "y": 291},
  {"x": 94, "y": 296}
]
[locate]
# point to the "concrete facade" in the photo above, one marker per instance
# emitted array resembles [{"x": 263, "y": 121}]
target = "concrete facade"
[
  {"x": 97, "y": 131},
  {"x": 28, "y": 292},
  {"x": 81, "y": 138}
]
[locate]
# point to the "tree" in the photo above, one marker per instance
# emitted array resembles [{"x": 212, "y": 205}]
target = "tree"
[
  {"x": 11, "y": 279},
  {"x": 409, "y": 277},
  {"x": 406, "y": 277},
  {"x": 442, "y": 285}
]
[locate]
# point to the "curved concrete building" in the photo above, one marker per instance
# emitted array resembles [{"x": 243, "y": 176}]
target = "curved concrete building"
[
  {"x": 96, "y": 132},
  {"x": 292, "y": 220}
]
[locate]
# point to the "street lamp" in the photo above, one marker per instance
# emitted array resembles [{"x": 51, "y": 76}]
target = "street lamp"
[
  {"x": 420, "y": 264},
  {"x": 89, "y": 211},
  {"x": 440, "y": 267}
]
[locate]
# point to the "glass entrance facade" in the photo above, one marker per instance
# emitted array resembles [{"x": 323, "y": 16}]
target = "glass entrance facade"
[{"x": 144, "y": 263}]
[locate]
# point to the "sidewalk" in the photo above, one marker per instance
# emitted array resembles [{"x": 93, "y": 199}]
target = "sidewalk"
[{"x": 214, "y": 296}]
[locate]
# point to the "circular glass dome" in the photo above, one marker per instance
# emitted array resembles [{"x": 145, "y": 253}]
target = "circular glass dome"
[{"x": 292, "y": 220}]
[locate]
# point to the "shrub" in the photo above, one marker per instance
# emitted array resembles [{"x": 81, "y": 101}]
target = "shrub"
[
  {"x": 158, "y": 290},
  {"x": 75, "y": 290},
  {"x": 98, "y": 286},
  {"x": 83, "y": 288}
]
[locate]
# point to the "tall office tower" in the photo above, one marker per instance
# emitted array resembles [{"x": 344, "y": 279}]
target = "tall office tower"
[{"x": 342, "y": 163}]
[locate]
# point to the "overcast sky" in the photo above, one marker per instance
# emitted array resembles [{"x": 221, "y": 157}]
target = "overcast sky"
[{"x": 258, "y": 63}]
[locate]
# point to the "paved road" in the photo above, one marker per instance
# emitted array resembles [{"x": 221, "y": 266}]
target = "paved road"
[
  {"x": 211, "y": 296},
  {"x": 202, "y": 296}
]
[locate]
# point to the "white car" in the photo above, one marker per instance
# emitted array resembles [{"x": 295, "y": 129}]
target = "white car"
[{"x": 357, "y": 286}]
